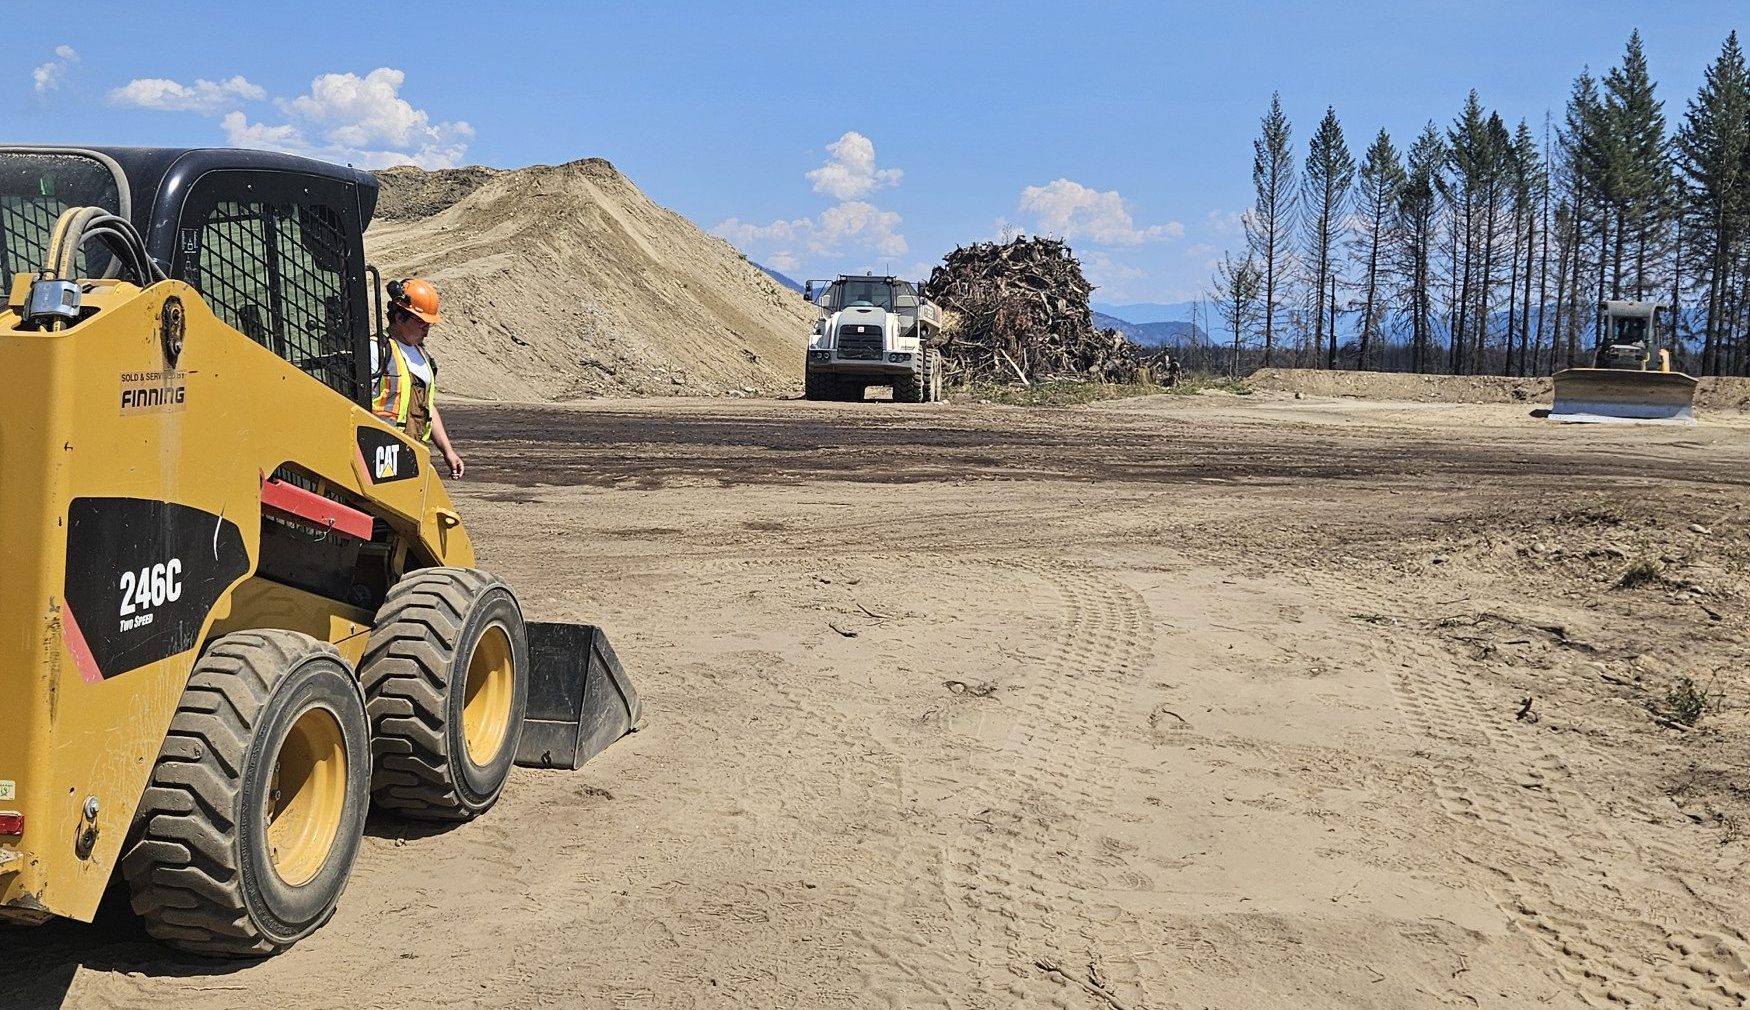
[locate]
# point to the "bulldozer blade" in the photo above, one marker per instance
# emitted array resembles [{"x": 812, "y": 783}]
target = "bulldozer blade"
[
  {"x": 580, "y": 699},
  {"x": 1602, "y": 395}
]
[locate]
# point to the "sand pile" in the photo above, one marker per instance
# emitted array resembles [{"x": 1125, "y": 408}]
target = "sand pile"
[{"x": 565, "y": 282}]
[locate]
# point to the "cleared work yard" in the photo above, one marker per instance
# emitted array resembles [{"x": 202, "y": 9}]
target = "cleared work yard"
[{"x": 1174, "y": 702}]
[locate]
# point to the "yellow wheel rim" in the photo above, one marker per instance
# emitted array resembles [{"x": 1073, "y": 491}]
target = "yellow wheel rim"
[
  {"x": 486, "y": 703},
  {"x": 306, "y": 796}
]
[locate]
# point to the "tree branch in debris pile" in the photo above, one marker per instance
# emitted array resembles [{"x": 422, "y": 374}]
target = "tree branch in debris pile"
[{"x": 1021, "y": 307}]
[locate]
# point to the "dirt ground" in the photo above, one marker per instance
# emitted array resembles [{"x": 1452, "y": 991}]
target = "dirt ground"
[{"x": 1178, "y": 702}]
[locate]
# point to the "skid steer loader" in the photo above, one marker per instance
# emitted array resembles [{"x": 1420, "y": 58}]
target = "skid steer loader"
[
  {"x": 1631, "y": 380},
  {"x": 241, "y": 608}
]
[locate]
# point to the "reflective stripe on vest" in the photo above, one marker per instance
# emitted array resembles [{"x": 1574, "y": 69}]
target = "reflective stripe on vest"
[{"x": 391, "y": 402}]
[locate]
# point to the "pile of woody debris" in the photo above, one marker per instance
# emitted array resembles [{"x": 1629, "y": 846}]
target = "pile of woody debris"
[{"x": 1019, "y": 310}]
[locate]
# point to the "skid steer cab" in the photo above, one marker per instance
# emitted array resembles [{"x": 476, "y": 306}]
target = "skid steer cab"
[{"x": 241, "y": 609}]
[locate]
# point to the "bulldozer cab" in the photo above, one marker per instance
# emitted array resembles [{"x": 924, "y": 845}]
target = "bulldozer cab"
[
  {"x": 1629, "y": 334},
  {"x": 274, "y": 243}
]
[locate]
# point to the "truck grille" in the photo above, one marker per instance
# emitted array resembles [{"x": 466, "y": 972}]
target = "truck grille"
[{"x": 860, "y": 342}]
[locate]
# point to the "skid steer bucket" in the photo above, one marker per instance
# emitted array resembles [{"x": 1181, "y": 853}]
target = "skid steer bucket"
[
  {"x": 1595, "y": 395},
  {"x": 580, "y": 699}
]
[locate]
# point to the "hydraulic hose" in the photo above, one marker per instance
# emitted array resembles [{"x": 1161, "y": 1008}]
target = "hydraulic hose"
[{"x": 80, "y": 225}]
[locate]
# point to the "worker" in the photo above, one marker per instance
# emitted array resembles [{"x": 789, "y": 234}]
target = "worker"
[{"x": 404, "y": 390}]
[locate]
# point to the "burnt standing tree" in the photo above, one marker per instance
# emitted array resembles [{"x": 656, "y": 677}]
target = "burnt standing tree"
[
  {"x": 1237, "y": 287},
  {"x": 1382, "y": 183},
  {"x": 1330, "y": 172},
  {"x": 1269, "y": 226}
]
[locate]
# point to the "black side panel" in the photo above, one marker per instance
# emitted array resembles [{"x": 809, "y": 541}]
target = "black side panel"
[
  {"x": 580, "y": 700},
  {"x": 142, "y": 576},
  {"x": 387, "y": 458}
]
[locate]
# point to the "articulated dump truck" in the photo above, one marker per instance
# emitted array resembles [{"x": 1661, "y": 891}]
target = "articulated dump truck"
[
  {"x": 872, "y": 331},
  {"x": 241, "y": 609}
]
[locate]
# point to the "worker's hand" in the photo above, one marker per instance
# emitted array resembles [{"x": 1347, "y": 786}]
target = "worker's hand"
[{"x": 454, "y": 459}]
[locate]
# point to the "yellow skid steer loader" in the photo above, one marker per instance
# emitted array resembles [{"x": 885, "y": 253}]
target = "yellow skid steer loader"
[
  {"x": 241, "y": 609},
  {"x": 1632, "y": 380}
]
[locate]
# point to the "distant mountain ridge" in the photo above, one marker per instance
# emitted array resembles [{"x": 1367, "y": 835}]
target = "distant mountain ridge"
[
  {"x": 780, "y": 278},
  {"x": 1148, "y": 312},
  {"x": 1151, "y": 334}
]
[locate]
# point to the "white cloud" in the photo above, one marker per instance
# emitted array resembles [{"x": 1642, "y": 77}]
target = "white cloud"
[
  {"x": 851, "y": 226},
  {"x": 362, "y": 121},
  {"x": 1225, "y": 222},
  {"x": 861, "y": 224},
  {"x": 48, "y": 76},
  {"x": 855, "y": 226},
  {"x": 742, "y": 233},
  {"x": 850, "y": 172},
  {"x": 203, "y": 96},
  {"x": 1112, "y": 278},
  {"x": 1069, "y": 209},
  {"x": 1201, "y": 249}
]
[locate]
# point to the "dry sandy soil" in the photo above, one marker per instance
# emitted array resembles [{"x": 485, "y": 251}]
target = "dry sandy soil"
[{"x": 1177, "y": 702}]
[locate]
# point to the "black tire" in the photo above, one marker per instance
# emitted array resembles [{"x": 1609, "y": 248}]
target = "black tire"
[
  {"x": 818, "y": 386},
  {"x": 416, "y": 680},
  {"x": 199, "y": 867},
  {"x": 932, "y": 376},
  {"x": 913, "y": 386}
]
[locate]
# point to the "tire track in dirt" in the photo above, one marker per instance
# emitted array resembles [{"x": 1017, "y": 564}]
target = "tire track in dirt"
[
  {"x": 1557, "y": 862},
  {"x": 1020, "y": 874}
]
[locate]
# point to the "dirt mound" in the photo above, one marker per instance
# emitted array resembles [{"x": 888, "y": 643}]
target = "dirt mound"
[
  {"x": 409, "y": 192},
  {"x": 1714, "y": 393},
  {"x": 564, "y": 282}
]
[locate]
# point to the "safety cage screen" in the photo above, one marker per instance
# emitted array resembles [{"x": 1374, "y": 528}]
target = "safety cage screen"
[
  {"x": 35, "y": 190},
  {"x": 278, "y": 271}
]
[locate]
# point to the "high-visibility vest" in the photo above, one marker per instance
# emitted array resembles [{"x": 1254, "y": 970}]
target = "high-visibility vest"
[{"x": 391, "y": 401}]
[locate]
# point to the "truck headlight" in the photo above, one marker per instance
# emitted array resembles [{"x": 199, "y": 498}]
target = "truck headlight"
[
  {"x": 819, "y": 355},
  {"x": 898, "y": 357}
]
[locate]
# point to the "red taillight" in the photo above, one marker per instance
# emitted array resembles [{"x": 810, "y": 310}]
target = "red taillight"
[{"x": 11, "y": 822}]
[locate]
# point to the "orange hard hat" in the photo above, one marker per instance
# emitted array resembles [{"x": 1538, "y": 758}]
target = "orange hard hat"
[{"x": 417, "y": 297}]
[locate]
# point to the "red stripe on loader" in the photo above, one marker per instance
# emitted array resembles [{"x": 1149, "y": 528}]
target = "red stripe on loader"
[
  {"x": 81, "y": 649},
  {"x": 292, "y": 500}
]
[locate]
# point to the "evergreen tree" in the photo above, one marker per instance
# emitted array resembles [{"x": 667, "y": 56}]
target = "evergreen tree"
[
  {"x": 1495, "y": 160},
  {"x": 1713, "y": 149},
  {"x": 1330, "y": 172},
  {"x": 1470, "y": 158},
  {"x": 1269, "y": 225},
  {"x": 1581, "y": 166},
  {"x": 1641, "y": 172},
  {"x": 1382, "y": 183},
  {"x": 1527, "y": 179},
  {"x": 1418, "y": 217}
]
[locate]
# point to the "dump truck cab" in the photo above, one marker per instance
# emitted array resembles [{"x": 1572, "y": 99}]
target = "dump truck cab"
[
  {"x": 872, "y": 331},
  {"x": 242, "y": 609}
]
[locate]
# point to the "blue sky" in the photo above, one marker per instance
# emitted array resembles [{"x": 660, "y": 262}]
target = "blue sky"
[{"x": 824, "y": 137}]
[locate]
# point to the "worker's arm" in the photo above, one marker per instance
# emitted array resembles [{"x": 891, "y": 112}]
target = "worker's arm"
[{"x": 442, "y": 438}]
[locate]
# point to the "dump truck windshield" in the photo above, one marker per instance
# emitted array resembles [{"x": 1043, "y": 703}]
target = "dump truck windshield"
[
  {"x": 35, "y": 189},
  {"x": 849, "y": 293}
]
